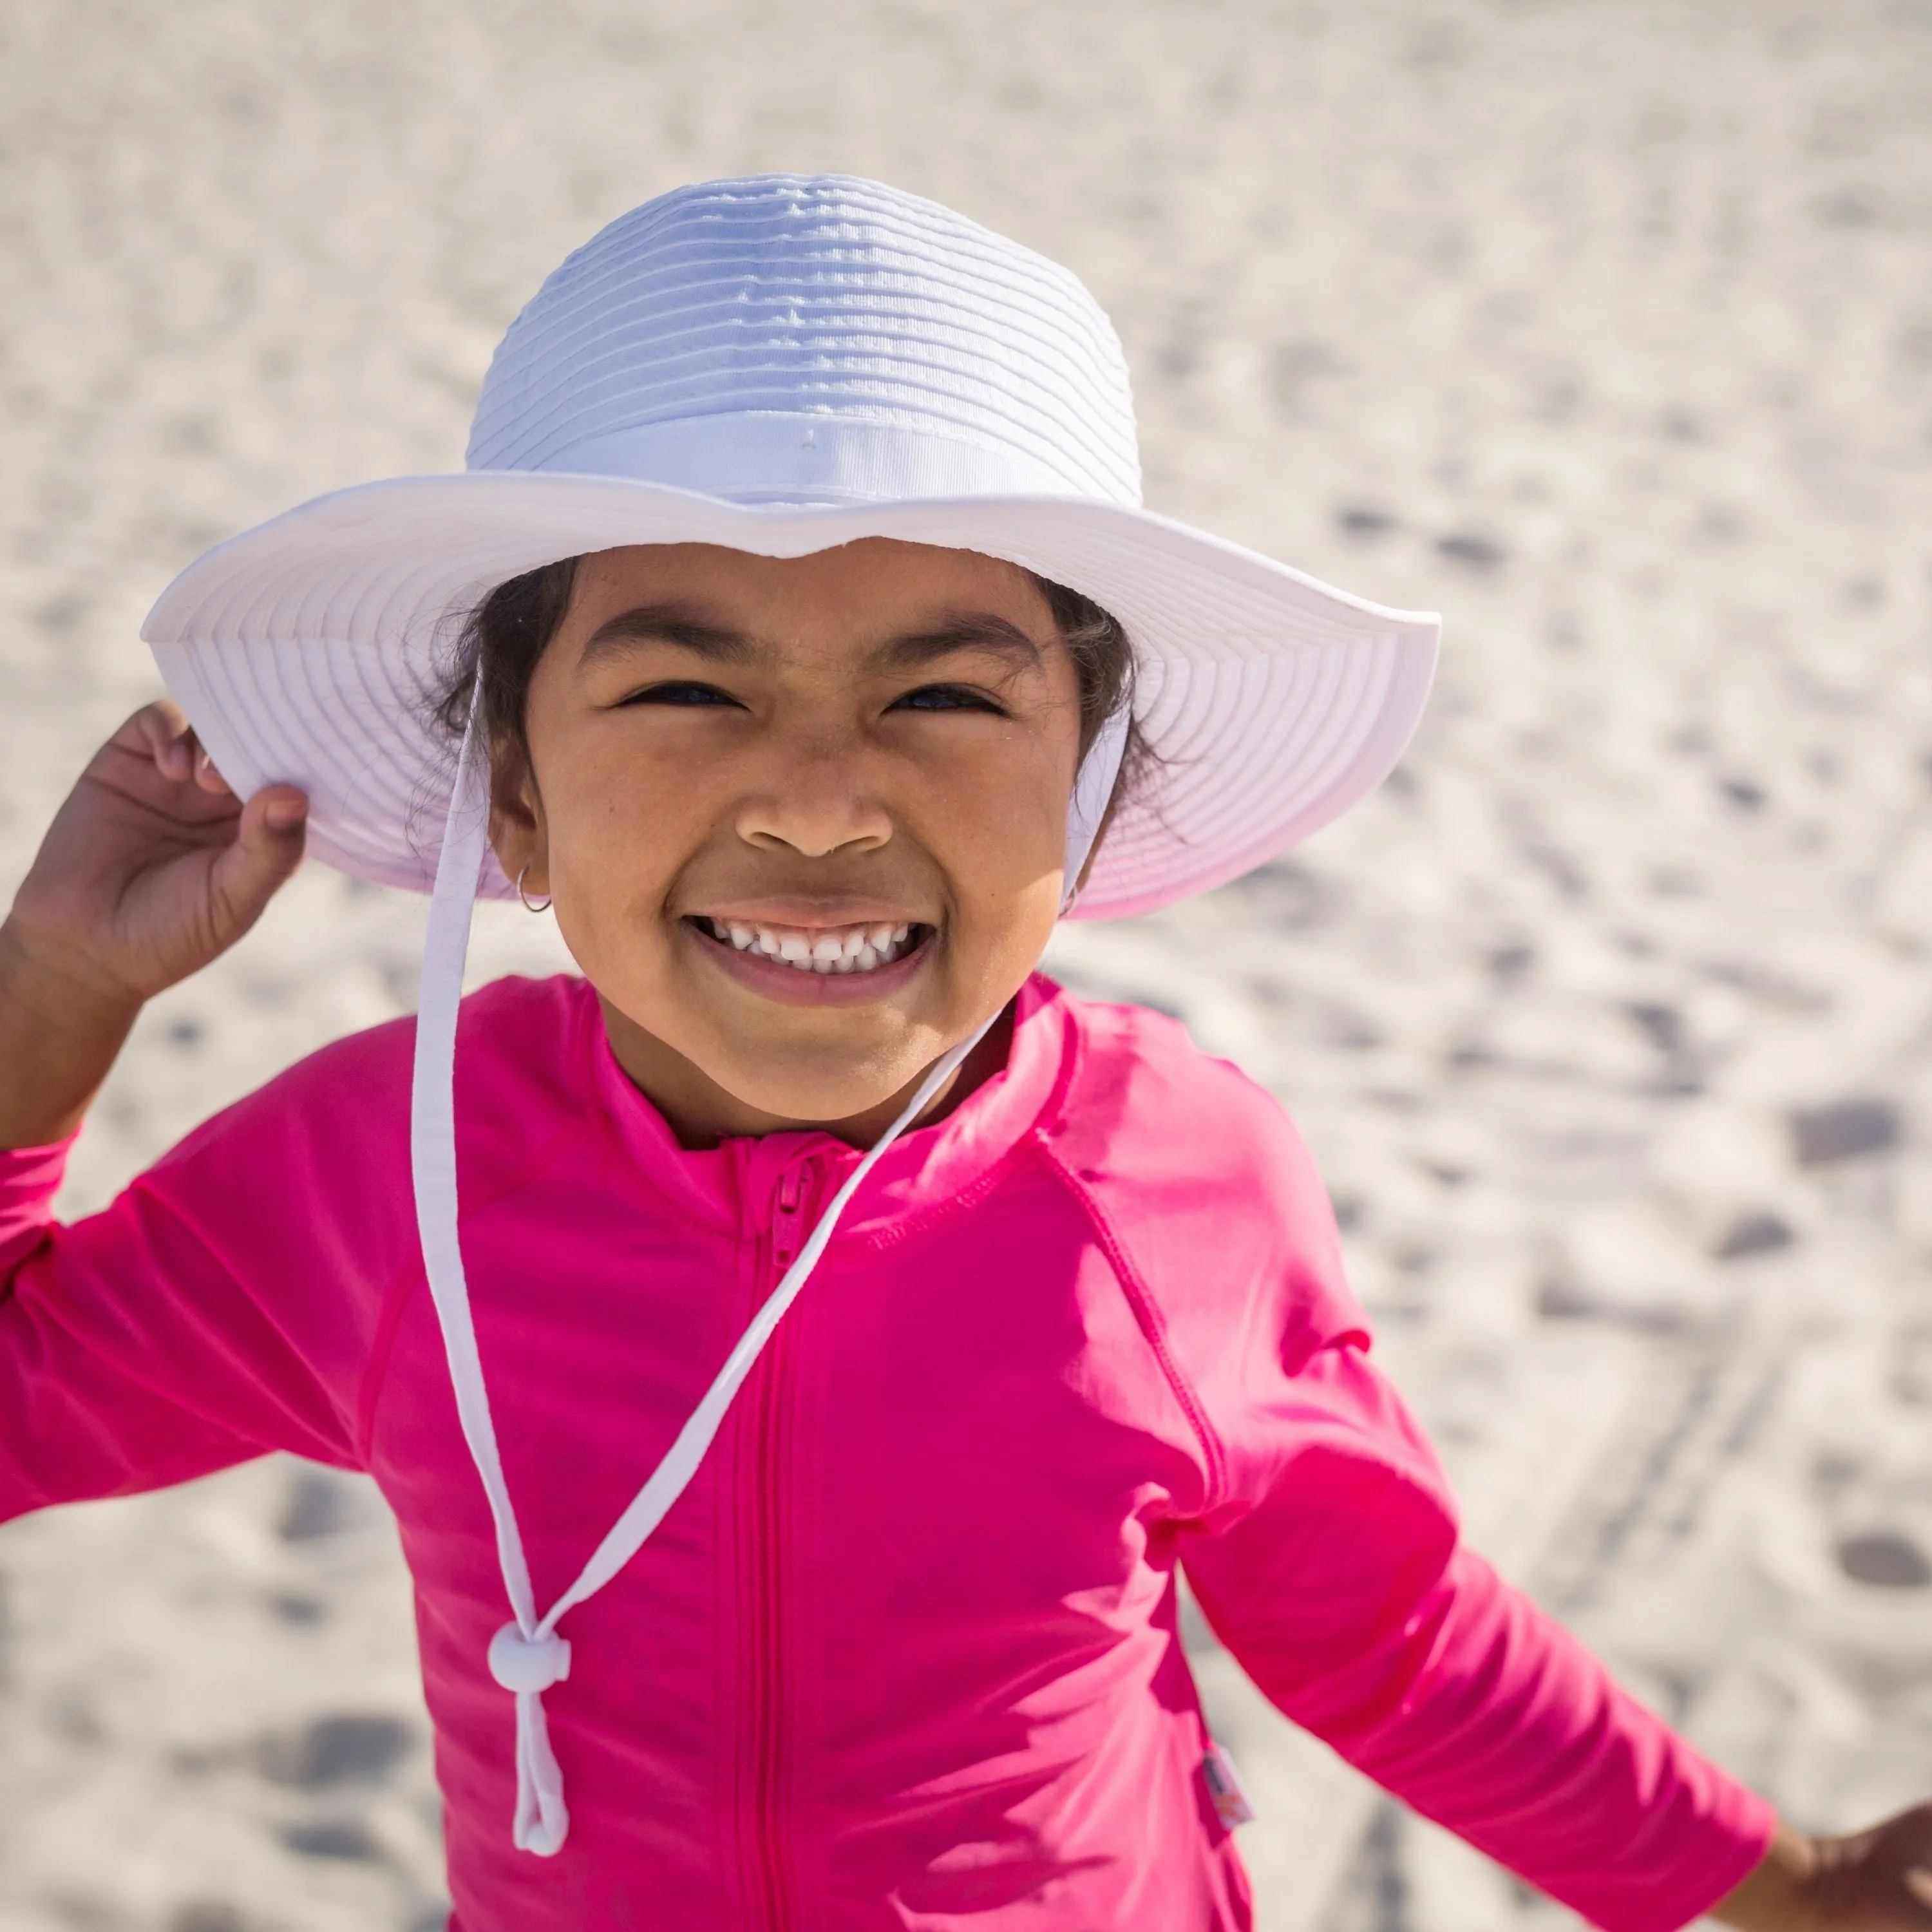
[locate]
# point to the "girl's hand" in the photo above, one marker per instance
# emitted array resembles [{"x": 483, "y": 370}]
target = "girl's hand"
[
  {"x": 1875, "y": 1881},
  {"x": 151, "y": 869}
]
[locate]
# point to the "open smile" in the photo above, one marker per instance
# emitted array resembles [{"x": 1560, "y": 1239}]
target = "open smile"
[
  {"x": 823, "y": 950},
  {"x": 856, "y": 964}
]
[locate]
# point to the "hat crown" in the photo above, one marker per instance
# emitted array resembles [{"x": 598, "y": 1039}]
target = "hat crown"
[{"x": 800, "y": 340}]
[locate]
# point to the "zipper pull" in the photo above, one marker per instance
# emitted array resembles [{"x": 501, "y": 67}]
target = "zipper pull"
[{"x": 786, "y": 1240}]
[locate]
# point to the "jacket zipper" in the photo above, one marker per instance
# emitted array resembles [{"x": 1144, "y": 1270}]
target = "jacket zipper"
[{"x": 767, "y": 1701}]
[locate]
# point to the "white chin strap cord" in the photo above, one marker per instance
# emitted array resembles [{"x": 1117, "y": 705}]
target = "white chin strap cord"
[{"x": 527, "y": 1655}]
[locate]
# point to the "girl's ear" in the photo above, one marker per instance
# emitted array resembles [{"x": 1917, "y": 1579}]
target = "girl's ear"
[{"x": 516, "y": 818}]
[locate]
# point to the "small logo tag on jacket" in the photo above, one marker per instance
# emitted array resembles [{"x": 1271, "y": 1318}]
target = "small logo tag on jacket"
[{"x": 1224, "y": 1786}]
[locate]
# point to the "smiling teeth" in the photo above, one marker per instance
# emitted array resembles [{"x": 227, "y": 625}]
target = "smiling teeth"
[{"x": 844, "y": 948}]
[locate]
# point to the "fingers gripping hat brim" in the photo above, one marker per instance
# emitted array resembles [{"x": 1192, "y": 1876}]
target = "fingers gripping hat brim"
[{"x": 312, "y": 650}]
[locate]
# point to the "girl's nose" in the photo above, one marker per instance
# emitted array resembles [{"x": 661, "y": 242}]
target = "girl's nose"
[{"x": 819, "y": 806}]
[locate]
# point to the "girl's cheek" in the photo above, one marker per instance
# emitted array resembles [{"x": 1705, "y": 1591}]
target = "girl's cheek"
[{"x": 615, "y": 848}]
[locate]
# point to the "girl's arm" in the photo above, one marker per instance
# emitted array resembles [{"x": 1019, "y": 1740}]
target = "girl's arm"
[
  {"x": 151, "y": 869},
  {"x": 123, "y": 1362},
  {"x": 1343, "y": 1588},
  {"x": 208, "y": 1316}
]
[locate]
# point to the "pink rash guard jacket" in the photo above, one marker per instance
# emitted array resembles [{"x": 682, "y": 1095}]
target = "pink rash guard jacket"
[{"x": 905, "y": 1654}]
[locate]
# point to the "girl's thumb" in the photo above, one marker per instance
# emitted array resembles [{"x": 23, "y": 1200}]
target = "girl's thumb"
[
  {"x": 267, "y": 846},
  {"x": 284, "y": 810}
]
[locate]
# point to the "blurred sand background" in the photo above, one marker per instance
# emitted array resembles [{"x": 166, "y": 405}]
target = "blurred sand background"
[{"x": 1604, "y": 325}]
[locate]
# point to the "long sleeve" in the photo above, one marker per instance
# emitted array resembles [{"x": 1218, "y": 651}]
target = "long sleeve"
[
  {"x": 229, "y": 1302},
  {"x": 131, "y": 1355},
  {"x": 1344, "y": 1590},
  {"x": 77, "y": 1420}
]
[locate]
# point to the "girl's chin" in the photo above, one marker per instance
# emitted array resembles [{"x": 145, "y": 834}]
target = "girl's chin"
[
  {"x": 827, "y": 1088},
  {"x": 787, "y": 986}
]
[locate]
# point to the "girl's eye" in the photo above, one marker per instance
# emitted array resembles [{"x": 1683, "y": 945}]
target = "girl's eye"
[
  {"x": 680, "y": 690},
  {"x": 944, "y": 697}
]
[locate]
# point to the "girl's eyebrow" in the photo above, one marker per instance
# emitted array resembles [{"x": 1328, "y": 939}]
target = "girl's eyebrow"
[
  {"x": 665, "y": 624},
  {"x": 676, "y": 624},
  {"x": 968, "y": 631}
]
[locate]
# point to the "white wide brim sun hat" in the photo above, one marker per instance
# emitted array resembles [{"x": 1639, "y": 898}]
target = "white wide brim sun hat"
[
  {"x": 777, "y": 365},
  {"x": 780, "y": 364}
]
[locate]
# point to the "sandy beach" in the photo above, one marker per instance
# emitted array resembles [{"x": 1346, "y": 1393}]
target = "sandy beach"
[{"x": 1603, "y": 326}]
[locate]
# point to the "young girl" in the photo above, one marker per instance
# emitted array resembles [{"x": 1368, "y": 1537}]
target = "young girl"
[{"x": 801, "y": 1352}]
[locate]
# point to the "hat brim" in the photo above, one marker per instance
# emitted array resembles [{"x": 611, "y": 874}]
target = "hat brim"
[{"x": 310, "y": 651}]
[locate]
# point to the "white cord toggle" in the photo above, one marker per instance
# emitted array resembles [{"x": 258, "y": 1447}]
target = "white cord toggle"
[
  {"x": 528, "y": 1664},
  {"x": 527, "y": 1656}
]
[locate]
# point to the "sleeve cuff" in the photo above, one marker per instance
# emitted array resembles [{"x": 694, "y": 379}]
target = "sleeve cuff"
[
  {"x": 29, "y": 1179},
  {"x": 1750, "y": 1822}
]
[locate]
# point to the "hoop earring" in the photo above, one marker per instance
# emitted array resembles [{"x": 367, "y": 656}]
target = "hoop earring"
[{"x": 530, "y": 904}]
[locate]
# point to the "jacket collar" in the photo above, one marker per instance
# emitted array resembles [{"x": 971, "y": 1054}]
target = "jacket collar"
[{"x": 733, "y": 1186}]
